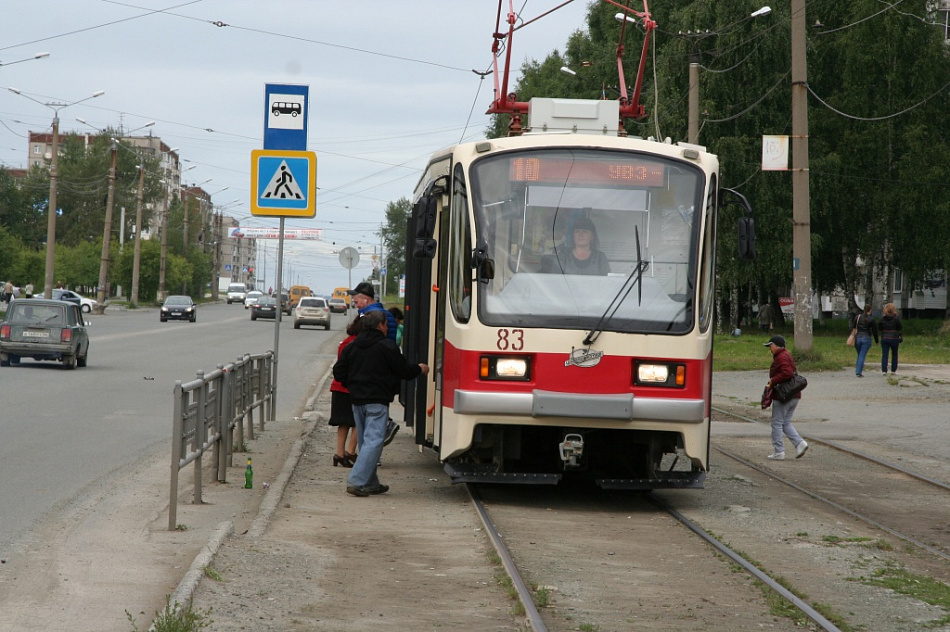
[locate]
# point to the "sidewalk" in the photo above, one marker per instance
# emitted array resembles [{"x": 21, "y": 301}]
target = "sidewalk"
[{"x": 318, "y": 559}]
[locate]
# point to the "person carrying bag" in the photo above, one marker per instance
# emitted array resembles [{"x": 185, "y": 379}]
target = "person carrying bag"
[{"x": 780, "y": 373}]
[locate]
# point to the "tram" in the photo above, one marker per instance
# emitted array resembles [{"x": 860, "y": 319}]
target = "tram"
[{"x": 560, "y": 284}]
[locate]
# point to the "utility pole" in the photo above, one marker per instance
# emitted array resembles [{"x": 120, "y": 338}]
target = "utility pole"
[
  {"x": 137, "y": 252},
  {"x": 161, "y": 265},
  {"x": 103, "y": 294},
  {"x": 801, "y": 213},
  {"x": 692, "y": 135}
]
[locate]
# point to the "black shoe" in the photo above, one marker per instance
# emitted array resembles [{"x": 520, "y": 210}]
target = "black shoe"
[
  {"x": 354, "y": 490},
  {"x": 391, "y": 429},
  {"x": 379, "y": 489}
]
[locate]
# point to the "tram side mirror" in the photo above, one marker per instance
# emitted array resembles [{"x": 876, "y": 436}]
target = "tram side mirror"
[
  {"x": 747, "y": 238},
  {"x": 483, "y": 264},
  {"x": 746, "y": 224},
  {"x": 424, "y": 214},
  {"x": 424, "y": 249}
]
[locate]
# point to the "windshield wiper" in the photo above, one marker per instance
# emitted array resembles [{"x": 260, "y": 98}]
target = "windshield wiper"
[{"x": 635, "y": 278}]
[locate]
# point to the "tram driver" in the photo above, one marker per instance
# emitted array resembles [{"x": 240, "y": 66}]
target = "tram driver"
[{"x": 580, "y": 253}]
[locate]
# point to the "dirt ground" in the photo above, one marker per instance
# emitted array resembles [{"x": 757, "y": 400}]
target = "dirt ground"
[{"x": 413, "y": 559}]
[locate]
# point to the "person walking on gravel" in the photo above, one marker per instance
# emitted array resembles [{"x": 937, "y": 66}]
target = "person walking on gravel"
[
  {"x": 782, "y": 369},
  {"x": 371, "y": 367}
]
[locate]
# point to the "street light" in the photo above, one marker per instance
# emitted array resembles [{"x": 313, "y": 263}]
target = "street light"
[
  {"x": 53, "y": 176},
  {"x": 692, "y": 134}
]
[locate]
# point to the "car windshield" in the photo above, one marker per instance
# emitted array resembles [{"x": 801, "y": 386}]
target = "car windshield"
[
  {"x": 267, "y": 300},
  {"x": 571, "y": 229},
  {"x": 311, "y": 302},
  {"x": 178, "y": 300}
]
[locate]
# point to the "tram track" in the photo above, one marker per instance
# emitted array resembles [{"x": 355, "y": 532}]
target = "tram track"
[
  {"x": 900, "y": 515},
  {"x": 525, "y": 595}
]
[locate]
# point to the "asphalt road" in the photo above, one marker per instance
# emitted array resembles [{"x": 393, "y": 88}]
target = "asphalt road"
[{"x": 62, "y": 431}]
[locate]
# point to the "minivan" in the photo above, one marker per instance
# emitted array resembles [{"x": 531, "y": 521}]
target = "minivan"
[
  {"x": 297, "y": 292},
  {"x": 237, "y": 292}
]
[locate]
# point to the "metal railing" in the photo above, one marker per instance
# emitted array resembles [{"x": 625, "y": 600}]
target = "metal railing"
[{"x": 211, "y": 413}]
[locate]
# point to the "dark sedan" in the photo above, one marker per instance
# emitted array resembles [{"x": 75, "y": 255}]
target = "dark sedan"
[
  {"x": 265, "y": 307},
  {"x": 44, "y": 330},
  {"x": 177, "y": 307}
]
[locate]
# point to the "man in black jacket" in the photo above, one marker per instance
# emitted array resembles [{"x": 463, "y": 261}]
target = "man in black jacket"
[{"x": 371, "y": 367}]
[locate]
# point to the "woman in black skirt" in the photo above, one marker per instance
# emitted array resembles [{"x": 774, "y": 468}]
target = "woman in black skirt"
[{"x": 341, "y": 411}]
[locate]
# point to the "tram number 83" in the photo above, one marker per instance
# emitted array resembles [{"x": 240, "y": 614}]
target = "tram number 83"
[{"x": 510, "y": 340}]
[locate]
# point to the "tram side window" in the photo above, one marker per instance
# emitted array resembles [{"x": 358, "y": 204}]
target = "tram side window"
[{"x": 460, "y": 251}]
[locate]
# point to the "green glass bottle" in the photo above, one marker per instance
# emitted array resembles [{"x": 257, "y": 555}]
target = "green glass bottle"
[{"x": 248, "y": 475}]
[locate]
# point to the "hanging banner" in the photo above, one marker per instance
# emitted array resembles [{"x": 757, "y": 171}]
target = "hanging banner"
[
  {"x": 775, "y": 153},
  {"x": 315, "y": 234}
]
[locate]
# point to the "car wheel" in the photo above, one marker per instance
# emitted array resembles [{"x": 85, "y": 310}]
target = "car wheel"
[
  {"x": 86, "y": 309},
  {"x": 4, "y": 360},
  {"x": 15, "y": 360},
  {"x": 253, "y": 317},
  {"x": 296, "y": 325},
  {"x": 327, "y": 326},
  {"x": 69, "y": 362},
  {"x": 194, "y": 318},
  {"x": 163, "y": 319},
  {"x": 81, "y": 361}
]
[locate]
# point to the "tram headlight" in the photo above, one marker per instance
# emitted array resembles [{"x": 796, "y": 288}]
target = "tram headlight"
[
  {"x": 660, "y": 374},
  {"x": 504, "y": 368}
]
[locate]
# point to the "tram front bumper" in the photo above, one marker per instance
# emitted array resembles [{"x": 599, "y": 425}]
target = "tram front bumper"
[{"x": 620, "y": 406}]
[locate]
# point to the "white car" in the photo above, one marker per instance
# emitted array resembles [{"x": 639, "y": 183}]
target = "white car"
[
  {"x": 85, "y": 304},
  {"x": 252, "y": 297}
]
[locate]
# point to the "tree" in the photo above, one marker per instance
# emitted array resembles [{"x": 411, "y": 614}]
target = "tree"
[
  {"x": 878, "y": 159},
  {"x": 393, "y": 234}
]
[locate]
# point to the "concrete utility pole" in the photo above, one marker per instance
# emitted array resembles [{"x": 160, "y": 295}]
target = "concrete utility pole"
[
  {"x": 137, "y": 252},
  {"x": 103, "y": 294},
  {"x": 801, "y": 212}
]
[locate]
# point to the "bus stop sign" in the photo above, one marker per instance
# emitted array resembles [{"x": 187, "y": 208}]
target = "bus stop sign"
[{"x": 285, "y": 116}]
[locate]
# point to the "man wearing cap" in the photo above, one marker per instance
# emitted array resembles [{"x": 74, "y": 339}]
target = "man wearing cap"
[
  {"x": 581, "y": 253},
  {"x": 363, "y": 299},
  {"x": 782, "y": 370}
]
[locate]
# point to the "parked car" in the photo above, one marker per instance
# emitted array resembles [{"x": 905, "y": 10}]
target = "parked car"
[
  {"x": 312, "y": 310},
  {"x": 338, "y": 305},
  {"x": 237, "y": 292},
  {"x": 178, "y": 307},
  {"x": 252, "y": 297},
  {"x": 44, "y": 329},
  {"x": 265, "y": 307},
  {"x": 86, "y": 304}
]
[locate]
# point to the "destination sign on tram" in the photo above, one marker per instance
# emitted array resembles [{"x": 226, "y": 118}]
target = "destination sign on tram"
[{"x": 546, "y": 169}]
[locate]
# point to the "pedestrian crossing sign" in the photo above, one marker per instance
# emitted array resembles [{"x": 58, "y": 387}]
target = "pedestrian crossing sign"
[{"x": 283, "y": 183}]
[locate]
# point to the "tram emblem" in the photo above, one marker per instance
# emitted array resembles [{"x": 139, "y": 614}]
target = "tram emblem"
[{"x": 584, "y": 358}]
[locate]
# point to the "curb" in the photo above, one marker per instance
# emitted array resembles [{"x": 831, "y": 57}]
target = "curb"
[{"x": 189, "y": 584}]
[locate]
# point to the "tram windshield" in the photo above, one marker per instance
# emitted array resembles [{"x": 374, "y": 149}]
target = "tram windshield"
[{"x": 568, "y": 228}]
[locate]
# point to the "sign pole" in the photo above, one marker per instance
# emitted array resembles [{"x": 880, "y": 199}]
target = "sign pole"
[{"x": 280, "y": 266}]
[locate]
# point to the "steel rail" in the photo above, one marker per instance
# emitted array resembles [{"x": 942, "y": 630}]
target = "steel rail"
[
  {"x": 763, "y": 577},
  {"x": 837, "y": 506},
  {"x": 852, "y": 452},
  {"x": 524, "y": 594}
]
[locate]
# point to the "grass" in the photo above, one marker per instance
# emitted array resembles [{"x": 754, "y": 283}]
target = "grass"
[
  {"x": 925, "y": 342},
  {"x": 175, "y": 618}
]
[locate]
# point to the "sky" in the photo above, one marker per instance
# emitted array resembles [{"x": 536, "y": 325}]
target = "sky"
[{"x": 390, "y": 83}]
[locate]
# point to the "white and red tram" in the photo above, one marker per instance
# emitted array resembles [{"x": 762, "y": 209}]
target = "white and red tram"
[{"x": 546, "y": 364}]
